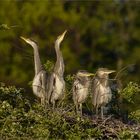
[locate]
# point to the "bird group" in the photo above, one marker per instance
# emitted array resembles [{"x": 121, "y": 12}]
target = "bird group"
[{"x": 50, "y": 87}]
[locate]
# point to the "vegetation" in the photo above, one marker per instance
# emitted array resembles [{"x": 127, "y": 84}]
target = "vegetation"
[
  {"x": 100, "y": 34},
  {"x": 21, "y": 119},
  {"x": 130, "y": 95}
]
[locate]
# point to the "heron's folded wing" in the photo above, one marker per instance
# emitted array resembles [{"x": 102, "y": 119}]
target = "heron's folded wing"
[
  {"x": 75, "y": 89},
  {"x": 95, "y": 90}
]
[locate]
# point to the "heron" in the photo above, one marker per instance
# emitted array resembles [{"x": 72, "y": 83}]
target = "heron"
[
  {"x": 40, "y": 78},
  {"x": 80, "y": 89},
  {"x": 56, "y": 84},
  {"x": 101, "y": 91}
]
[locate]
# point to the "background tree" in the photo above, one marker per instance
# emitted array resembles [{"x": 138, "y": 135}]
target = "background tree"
[{"x": 100, "y": 34}]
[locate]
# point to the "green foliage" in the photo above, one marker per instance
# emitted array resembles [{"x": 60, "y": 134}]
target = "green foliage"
[
  {"x": 100, "y": 34},
  {"x": 130, "y": 91},
  {"x": 130, "y": 100},
  {"x": 13, "y": 96},
  {"x": 135, "y": 115},
  {"x": 129, "y": 135},
  {"x": 18, "y": 118},
  {"x": 69, "y": 81},
  {"x": 21, "y": 119},
  {"x": 49, "y": 65}
]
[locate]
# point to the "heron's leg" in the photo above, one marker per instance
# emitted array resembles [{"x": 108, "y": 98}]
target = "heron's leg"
[
  {"x": 53, "y": 105},
  {"x": 97, "y": 111},
  {"x": 102, "y": 112},
  {"x": 80, "y": 109},
  {"x": 42, "y": 101},
  {"x": 76, "y": 108},
  {"x": 46, "y": 103},
  {"x": 92, "y": 110}
]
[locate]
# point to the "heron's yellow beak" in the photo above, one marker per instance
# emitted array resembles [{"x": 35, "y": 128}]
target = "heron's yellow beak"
[
  {"x": 90, "y": 74},
  {"x": 110, "y": 71},
  {"x": 87, "y": 74},
  {"x": 23, "y": 38},
  {"x": 61, "y": 37},
  {"x": 27, "y": 40}
]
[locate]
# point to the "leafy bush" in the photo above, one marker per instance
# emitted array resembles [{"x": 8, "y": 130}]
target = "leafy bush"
[
  {"x": 130, "y": 100},
  {"x": 127, "y": 134},
  {"x": 21, "y": 119},
  {"x": 49, "y": 65},
  {"x": 135, "y": 115},
  {"x": 130, "y": 91}
]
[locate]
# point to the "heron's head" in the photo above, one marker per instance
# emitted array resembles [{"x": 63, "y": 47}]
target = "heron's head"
[
  {"x": 104, "y": 71},
  {"x": 83, "y": 73},
  {"x": 29, "y": 41},
  {"x": 60, "y": 37}
]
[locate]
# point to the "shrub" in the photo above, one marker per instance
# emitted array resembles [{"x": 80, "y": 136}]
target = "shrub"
[
  {"x": 130, "y": 91},
  {"x": 130, "y": 100},
  {"x": 21, "y": 119}
]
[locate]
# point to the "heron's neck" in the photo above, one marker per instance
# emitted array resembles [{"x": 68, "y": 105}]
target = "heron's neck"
[
  {"x": 37, "y": 61},
  {"x": 59, "y": 65}
]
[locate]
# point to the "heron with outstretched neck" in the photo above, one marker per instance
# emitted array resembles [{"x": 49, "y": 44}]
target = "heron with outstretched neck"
[
  {"x": 101, "y": 91},
  {"x": 40, "y": 78},
  {"x": 56, "y": 86},
  {"x": 80, "y": 89}
]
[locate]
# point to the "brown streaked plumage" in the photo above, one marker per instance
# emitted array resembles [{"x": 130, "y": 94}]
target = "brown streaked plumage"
[
  {"x": 81, "y": 89},
  {"x": 101, "y": 92}
]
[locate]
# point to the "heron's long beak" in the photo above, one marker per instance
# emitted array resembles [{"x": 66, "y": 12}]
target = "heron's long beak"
[
  {"x": 110, "y": 71},
  {"x": 87, "y": 74},
  {"x": 61, "y": 37},
  {"x": 23, "y": 38},
  {"x": 29, "y": 41},
  {"x": 64, "y": 33},
  {"x": 90, "y": 74}
]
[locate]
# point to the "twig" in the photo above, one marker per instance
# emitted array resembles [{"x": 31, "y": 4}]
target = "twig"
[{"x": 123, "y": 70}]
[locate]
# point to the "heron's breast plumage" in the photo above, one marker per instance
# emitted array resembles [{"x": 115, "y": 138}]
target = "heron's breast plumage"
[
  {"x": 81, "y": 92},
  {"x": 37, "y": 86},
  {"x": 59, "y": 87},
  {"x": 104, "y": 95}
]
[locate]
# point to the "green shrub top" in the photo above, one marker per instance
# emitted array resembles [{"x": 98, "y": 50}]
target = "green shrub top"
[{"x": 21, "y": 119}]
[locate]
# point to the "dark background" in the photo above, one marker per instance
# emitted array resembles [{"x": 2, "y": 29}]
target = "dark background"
[{"x": 100, "y": 34}]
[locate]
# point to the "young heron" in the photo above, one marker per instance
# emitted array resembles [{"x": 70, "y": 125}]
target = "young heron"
[
  {"x": 40, "y": 78},
  {"x": 81, "y": 89},
  {"x": 56, "y": 81},
  {"x": 101, "y": 91}
]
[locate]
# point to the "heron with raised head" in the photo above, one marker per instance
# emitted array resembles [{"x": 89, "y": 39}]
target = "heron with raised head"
[
  {"x": 80, "y": 89},
  {"x": 56, "y": 86},
  {"x": 40, "y": 78},
  {"x": 101, "y": 91}
]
